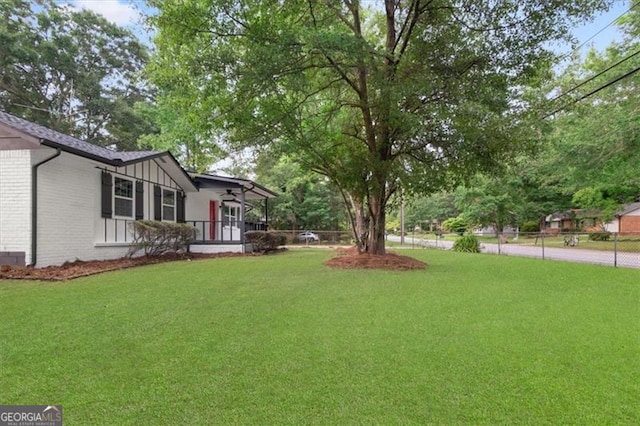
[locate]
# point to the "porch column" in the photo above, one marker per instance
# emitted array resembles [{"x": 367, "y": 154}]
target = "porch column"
[
  {"x": 243, "y": 209},
  {"x": 266, "y": 214}
]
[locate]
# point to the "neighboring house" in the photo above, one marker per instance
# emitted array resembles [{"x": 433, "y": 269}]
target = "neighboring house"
[
  {"x": 575, "y": 219},
  {"x": 626, "y": 220},
  {"x": 63, "y": 199},
  {"x": 555, "y": 222},
  {"x": 490, "y": 231}
]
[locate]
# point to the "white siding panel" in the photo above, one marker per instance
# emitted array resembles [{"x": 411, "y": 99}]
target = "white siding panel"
[{"x": 15, "y": 201}]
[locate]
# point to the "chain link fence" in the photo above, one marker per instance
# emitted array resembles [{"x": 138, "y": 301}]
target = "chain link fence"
[{"x": 604, "y": 248}]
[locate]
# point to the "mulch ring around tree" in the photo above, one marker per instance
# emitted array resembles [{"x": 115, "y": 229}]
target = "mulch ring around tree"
[
  {"x": 77, "y": 269},
  {"x": 351, "y": 259}
]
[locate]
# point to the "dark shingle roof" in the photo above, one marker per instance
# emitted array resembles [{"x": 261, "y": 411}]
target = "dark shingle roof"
[
  {"x": 71, "y": 144},
  {"x": 628, "y": 208}
]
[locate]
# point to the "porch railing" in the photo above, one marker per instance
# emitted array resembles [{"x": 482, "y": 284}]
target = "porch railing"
[
  {"x": 215, "y": 232},
  {"x": 207, "y": 231}
]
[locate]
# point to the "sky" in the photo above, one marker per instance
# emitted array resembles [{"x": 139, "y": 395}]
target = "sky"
[
  {"x": 123, "y": 13},
  {"x": 127, "y": 13}
]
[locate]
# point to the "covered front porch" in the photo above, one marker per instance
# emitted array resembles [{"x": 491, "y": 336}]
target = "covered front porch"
[{"x": 224, "y": 209}]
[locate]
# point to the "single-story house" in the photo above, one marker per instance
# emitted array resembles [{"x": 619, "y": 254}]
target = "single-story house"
[
  {"x": 62, "y": 198},
  {"x": 490, "y": 231},
  {"x": 575, "y": 219},
  {"x": 626, "y": 220}
]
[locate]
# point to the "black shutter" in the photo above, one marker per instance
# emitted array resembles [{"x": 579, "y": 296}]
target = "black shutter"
[
  {"x": 107, "y": 194},
  {"x": 139, "y": 200},
  {"x": 180, "y": 207},
  {"x": 157, "y": 203}
]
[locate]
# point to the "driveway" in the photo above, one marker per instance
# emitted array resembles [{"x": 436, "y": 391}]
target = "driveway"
[{"x": 599, "y": 257}]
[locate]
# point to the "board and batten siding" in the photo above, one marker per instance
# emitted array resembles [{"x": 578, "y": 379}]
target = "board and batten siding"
[
  {"x": 15, "y": 201},
  {"x": 70, "y": 222}
]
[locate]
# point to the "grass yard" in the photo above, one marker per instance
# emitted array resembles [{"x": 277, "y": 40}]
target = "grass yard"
[{"x": 473, "y": 339}]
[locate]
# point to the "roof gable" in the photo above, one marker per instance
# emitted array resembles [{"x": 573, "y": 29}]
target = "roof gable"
[{"x": 70, "y": 144}]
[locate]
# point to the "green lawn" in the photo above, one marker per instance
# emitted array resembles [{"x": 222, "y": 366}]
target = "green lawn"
[{"x": 473, "y": 339}]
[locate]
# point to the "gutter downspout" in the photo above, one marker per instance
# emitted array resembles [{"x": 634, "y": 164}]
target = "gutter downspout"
[{"x": 34, "y": 206}]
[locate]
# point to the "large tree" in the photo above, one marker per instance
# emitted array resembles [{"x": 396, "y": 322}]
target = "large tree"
[
  {"x": 71, "y": 70},
  {"x": 378, "y": 96}
]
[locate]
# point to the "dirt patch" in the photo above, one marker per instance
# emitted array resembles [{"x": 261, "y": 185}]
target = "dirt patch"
[
  {"x": 350, "y": 259},
  {"x": 80, "y": 268}
]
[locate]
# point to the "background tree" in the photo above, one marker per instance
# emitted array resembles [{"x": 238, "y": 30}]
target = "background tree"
[
  {"x": 593, "y": 146},
  {"x": 306, "y": 200},
  {"x": 494, "y": 202},
  {"x": 72, "y": 70},
  {"x": 424, "y": 211},
  {"x": 402, "y": 94}
]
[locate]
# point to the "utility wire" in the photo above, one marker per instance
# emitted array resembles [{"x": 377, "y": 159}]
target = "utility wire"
[
  {"x": 609, "y": 68},
  {"x": 562, "y": 58},
  {"x": 593, "y": 92}
]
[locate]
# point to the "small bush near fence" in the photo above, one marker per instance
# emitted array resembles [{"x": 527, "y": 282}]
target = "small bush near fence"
[
  {"x": 600, "y": 236},
  {"x": 265, "y": 241},
  {"x": 155, "y": 238},
  {"x": 467, "y": 244},
  {"x": 530, "y": 226}
]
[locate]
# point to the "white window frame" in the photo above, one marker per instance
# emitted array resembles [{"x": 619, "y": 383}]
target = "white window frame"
[
  {"x": 131, "y": 199},
  {"x": 173, "y": 206},
  {"x": 229, "y": 218}
]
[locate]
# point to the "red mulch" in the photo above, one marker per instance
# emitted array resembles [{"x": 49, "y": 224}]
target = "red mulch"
[
  {"x": 70, "y": 270},
  {"x": 351, "y": 259}
]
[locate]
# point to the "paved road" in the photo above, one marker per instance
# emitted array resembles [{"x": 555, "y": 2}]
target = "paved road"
[{"x": 600, "y": 257}]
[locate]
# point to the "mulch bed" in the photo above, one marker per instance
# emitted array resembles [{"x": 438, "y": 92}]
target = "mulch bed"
[
  {"x": 71, "y": 270},
  {"x": 351, "y": 259},
  {"x": 346, "y": 259}
]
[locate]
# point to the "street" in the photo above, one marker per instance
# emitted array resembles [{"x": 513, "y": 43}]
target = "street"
[{"x": 599, "y": 257}]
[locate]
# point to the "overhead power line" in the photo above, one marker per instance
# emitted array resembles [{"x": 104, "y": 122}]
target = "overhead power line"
[
  {"x": 584, "y": 43},
  {"x": 609, "y": 68},
  {"x": 593, "y": 92}
]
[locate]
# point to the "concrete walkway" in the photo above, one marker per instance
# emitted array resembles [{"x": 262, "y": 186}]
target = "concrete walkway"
[{"x": 599, "y": 257}]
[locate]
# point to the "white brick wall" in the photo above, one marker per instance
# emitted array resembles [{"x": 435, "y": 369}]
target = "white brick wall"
[
  {"x": 67, "y": 187},
  {"x": 15, "y": 201}
]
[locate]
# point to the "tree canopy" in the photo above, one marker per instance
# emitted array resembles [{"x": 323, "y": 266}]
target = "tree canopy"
[
  {"x": 593, "y": 147},
  {"x": 72, "y": 70},
  {"x": 377, "y": 96}
]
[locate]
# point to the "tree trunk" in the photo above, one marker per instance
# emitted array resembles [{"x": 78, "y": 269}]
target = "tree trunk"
[
  {"x": 361, "y": 223},
  {"x": 369, "y": 225},
  {"x": 376, "y": 243}
]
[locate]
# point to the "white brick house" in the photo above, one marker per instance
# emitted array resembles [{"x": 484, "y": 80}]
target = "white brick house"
[{"x": 63, "y": 199}]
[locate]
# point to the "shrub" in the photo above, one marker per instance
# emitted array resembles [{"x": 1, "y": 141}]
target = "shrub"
[
  {"x": 600, "y": 236},
  {"x": 455, "y": 224},
  {"x": 530, "y": 226},
  {"x": 265, "y": 241},
  {"x": 467, "y": 244},
  {"x": 155, "y": 238}
]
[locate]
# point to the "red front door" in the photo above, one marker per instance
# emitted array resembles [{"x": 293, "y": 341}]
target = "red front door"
[{"x": 212, "y": 220}]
